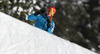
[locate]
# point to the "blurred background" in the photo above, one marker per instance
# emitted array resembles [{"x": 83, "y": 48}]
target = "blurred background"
[{"x": 76, "y": 20}]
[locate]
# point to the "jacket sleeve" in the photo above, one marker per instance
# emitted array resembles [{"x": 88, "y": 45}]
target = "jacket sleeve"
[
  {"x": 32, "y": 17},
  {"x": 51, "y": 29}
]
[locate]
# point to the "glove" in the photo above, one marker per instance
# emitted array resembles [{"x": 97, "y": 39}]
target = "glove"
[{"x": 40, "y": 12}]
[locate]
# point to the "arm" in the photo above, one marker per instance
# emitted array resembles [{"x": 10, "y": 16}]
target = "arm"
[
  {"x": 51, "y": 29},
  {"x": 32, "y": 17}
]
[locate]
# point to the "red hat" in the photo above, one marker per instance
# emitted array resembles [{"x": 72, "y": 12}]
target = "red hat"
[{"x": 52, "y": 10}]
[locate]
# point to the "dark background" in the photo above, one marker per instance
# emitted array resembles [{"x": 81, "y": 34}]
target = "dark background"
[{"x": 76, "y": 20}]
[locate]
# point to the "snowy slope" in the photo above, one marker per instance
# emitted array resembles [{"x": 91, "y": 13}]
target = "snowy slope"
[{"x": 17, "y": 37}]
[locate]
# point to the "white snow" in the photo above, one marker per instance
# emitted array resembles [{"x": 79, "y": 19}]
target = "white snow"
[
  {"x": 69, "y": 16},
  {"x": 15, "y": 1},
  {"x": 96, "y": 9},
  {"x": 99, "y": 2},
  {"x": 87, "y": 40},
  {"x": 79, "y": 2},
  {"x": 42, "y": 3},
  {"x": 89, "y": 25},
  {"x": 99, "y": 46},
  {"x": 34, "y": 1},
  {"x": 63, "y": 2},
  {"x": 17, "y": 37},
  {"x": 0, "y": 1},
  {"x": 84, "y": 0},
  {"x": 88, "y": 15},
  {"x": 26, "y": 16},
  {"x": 10, "y": 12},
  {"x": 15, "y": 8},
  {"x": 20, "y": 9},
  {"x": 80, "y": 34},
  {"x": 67, "y": 29},
  {"x": 47, "y": 0},
  {"x": 55, "y": 1},
  {"x": 37, "y": 7},
  {"x": 64, "y": 13},
  {"x": 30, "y": 10},
  {"x": 93, "y": 49},
  {"x": 22, "y": 1}
]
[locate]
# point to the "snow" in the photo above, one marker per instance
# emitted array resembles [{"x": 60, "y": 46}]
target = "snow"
[
  {"x": 37, "y": 7},
  {"x": 80, "y": 34},
  {"x": 34, "y": 1},
  {"x": 9, "y": 2},
  {"x": 47, "y": 0},
  {"x": 0, "y": 1},
  {"x": 79, "y": 2},
  {"x": 26, "y": 16},
  {"x": 64, "y": 13},
  {"x": 96, "y": 9},
  {"x": 69, "y": 16},
  {"x": 18, "y": 37},
  {"x": 15, "y": 1},
  {"x": 42, "y": 3},
  {"x": 84, "y": 0},
  {"x": 99, "y": 46},
  {"x": 99, "y": 2},
  {"x": 22, "y": 1},
  {"x": 93, "y": 49},
  {"x": 20, "y": 9},
  {"x": 55, "y": 1},
  {"x": 10, "y": 12},
  {"x": 87, "y": 40},
  {"x": 63, "y": 2},
  {"x": 30, "y": 10},
  {"x": 67, "y": 29},
  {"x": 89, "y": 25},
  {"x": 73, "y": 7},
  {"x": 15, "y": 8},
  {"x": 88, "y": 15}
]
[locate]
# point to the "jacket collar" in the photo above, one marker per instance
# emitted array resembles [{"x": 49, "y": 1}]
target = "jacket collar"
[{"x": 46, "y": 16}]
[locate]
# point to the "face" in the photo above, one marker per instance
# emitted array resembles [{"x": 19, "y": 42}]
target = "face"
[{"x": 50, "y": 12}]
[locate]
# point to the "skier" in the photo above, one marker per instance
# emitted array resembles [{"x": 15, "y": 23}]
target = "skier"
[{"x": 45, "y": 21}]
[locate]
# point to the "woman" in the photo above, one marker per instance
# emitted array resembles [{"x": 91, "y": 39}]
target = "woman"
[{"x": 45, "y": 21}]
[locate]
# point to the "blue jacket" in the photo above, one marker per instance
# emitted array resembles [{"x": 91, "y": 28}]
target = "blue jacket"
[{"x": 41, "y": 22}]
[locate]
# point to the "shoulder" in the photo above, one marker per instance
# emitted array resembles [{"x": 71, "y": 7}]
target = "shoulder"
[
  {"x": 36, "y": 15},
  {"x": 40, "y": 16}
]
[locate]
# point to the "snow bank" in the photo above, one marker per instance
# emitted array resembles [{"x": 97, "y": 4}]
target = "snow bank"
[{"x": 17, "y": 37}]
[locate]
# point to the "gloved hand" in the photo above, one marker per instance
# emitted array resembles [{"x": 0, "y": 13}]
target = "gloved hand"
[{"x": 40, "y": 12}]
